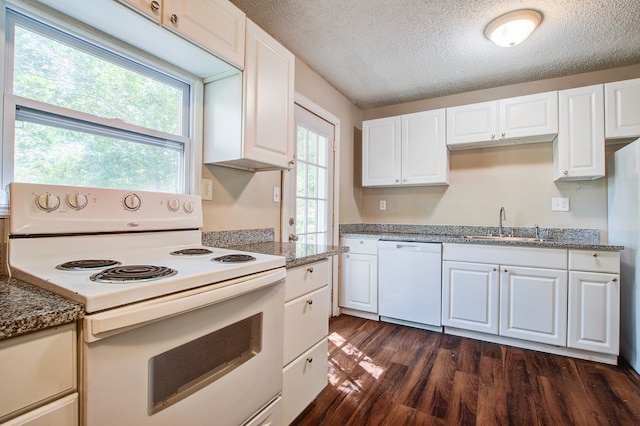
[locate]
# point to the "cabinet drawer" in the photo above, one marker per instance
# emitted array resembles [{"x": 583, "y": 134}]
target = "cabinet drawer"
[
  {"x": 305, "y": 322},
  {"x": 594, "y": 261},
  {"x": 61, "y": 412},
  {"x": 36, "y": 367},
  {"x": 361, "y": 245},
  {"x": 303, "y": 380},
  {"x": 303, "y": 279}
]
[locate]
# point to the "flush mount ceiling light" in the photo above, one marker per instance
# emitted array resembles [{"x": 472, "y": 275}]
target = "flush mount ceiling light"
[{"x": 513, "y": 28}]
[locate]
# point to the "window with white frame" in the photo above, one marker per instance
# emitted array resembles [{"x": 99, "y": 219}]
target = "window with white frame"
[{"x": 79, "y": 114}]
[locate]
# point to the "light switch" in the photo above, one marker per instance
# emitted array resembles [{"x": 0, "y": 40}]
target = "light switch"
[
  {"x": 206, "y": 190},
  {"x": 560, "y": 204}
]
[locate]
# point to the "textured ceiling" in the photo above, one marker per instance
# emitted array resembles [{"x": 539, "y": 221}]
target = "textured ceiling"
[{"x": 383, "y": 52}]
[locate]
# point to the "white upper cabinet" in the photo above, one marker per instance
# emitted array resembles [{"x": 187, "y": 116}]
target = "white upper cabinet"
[
  {"x": 405, "y": 150},
  {"x": 523, "y": 119},
  {"x": 215, "y": 25},
  {"x": 381, "y": 151},
  {"x": 622, "y": 109},
  {"x": 257, "y": 133},
  {"x": 578, "y": 152}
]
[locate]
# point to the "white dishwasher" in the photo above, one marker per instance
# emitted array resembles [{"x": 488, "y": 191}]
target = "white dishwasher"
[{"x": 410, "y": 283}]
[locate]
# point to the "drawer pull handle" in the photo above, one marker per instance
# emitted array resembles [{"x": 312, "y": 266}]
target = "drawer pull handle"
[
  {"x": 595, "y": 254},
  {"x": 310, "y": 360},
  {"x": 310, "y": 269},
  {"x": 309, "y": 301}
]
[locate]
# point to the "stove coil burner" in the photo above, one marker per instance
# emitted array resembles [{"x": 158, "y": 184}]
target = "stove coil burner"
[
  {"x": 87, "y": 264},
  {"x": 191, "y": 252},
  {"x": 132, "y": 274},
  {"x": 234, "y": 258}
]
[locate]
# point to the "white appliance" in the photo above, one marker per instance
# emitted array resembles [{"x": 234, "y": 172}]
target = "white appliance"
[
  {"x": 410, "y": 283},
  {"x": 623, "y": 171},
  {"x": 175, "y": 333}
]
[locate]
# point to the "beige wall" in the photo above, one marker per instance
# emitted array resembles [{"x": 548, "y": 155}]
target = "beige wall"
[
  {"x": 519, "y": 177},
  {"x": 315, "y": 88}
]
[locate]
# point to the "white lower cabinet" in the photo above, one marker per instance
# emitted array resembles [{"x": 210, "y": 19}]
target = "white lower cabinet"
[
  {"x": 359, "y": 276},
  {"x": 306, "y": 325},
  {"x": 38, "y": 378},
  {"x": 556, "y": 300},
  {"x": 594, "y": 301},
  {"x": 470, "y": 296},
  {"x": 533, "y": 304}
]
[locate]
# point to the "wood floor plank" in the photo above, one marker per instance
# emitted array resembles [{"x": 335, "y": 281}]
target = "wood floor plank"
[{"x": 387, "y": 374}]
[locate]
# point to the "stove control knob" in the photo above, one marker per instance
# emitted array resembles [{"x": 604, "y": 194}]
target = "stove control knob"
[
  {"x": 77, "y": 201},
  {"x": 188, "y": 206},
  {"x": 173, "y": 204},
  {"x": 47, "y": 202},
  {"x": 131, "y": 202}
]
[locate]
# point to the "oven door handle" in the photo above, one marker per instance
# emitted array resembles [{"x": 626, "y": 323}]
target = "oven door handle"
[{"x": 104, "y": 324}]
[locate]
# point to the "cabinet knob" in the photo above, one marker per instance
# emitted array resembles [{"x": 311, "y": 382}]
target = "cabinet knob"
[
  {"x": 495, "y": 269},
  {"x": 595, "y": 254},
  {"x": 615, "y": 280},
  {"x": 493, "y": 135},
  {"x": 174, "y": 18},
  {"x": 155, "y": 6},
  {"x": 404, "y": 180},
  {"x": 310, "y": 269},
  {"x": 309, "y": 302},
  {"x": 504, "y": 134},
  {"x": 346, "y": 256},
  {"x": 506, "y": 270},
  {"x": 310, "y": 360},
  {"x": 566, "y": 172},
  {"x": 397, "y": 180}
]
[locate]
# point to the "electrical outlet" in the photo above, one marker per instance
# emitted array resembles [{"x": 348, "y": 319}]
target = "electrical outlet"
[
  {"x": 383, "y": 204},
  {"x": 206, "y": 189},
  {"x": 560, "y": 204},
  {"x": 276, "y": 194}
]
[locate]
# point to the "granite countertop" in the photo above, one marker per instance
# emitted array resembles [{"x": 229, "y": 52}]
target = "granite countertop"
[
  {"x": 25, "y": 308},
  {"x": 567, "y": 238},
  {"x": 296, "y": 253}
]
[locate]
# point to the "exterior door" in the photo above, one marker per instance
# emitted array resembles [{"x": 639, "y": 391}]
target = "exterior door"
[{"x": 309, "y": 216}]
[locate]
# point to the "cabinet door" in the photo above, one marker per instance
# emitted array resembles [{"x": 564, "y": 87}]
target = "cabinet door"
[
  {"x": 594, "y": 312},
  {"x": 469, "y": 124},
  {"x": 269, "y": 78},
  {"x": 622, "y": 109},
  {"x": 578, "y": 152},
  {"x": 533, "y": 304},
  {"x": 381, "y": 152},
  {"x": 359, "y": 282},
  {"x": 425, "y": 157},
  {"x": 216, "y": 25},
  {"x": 531, "y": 117},
  {"x": 149, "y": 8},
  {"x": 470, "y": 296}
]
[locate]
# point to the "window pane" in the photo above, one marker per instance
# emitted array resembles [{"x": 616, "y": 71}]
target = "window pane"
[
  {"x": 322, "y": 183},
  {"x": 45, "y": 154},
  {"x": 301, "y": 179},
  {"x": 322, "y": 239},
  {"x": 301, "y": 153},
  {"x": 311, "y": 239},
  {"x": 50, "y": 71},
  {"x": 322, "y": 151},
  {"x": 311, "y": 216},
  {"x": 312, "y": 155},
  {"x": 311, "y": 181}
]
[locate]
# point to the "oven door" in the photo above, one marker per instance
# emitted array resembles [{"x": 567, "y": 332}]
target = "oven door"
[{"x": 208, "y": 356}]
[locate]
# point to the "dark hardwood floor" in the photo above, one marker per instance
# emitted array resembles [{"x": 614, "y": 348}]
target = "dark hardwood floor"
[{"x": 385, "y": 374}]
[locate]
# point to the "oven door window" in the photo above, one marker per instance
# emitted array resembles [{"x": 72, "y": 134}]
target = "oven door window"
[{"x": 184, "y": 370}]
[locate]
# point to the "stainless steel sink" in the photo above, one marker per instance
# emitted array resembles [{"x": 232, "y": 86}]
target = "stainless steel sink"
[{"x": 504, "y": 238}]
